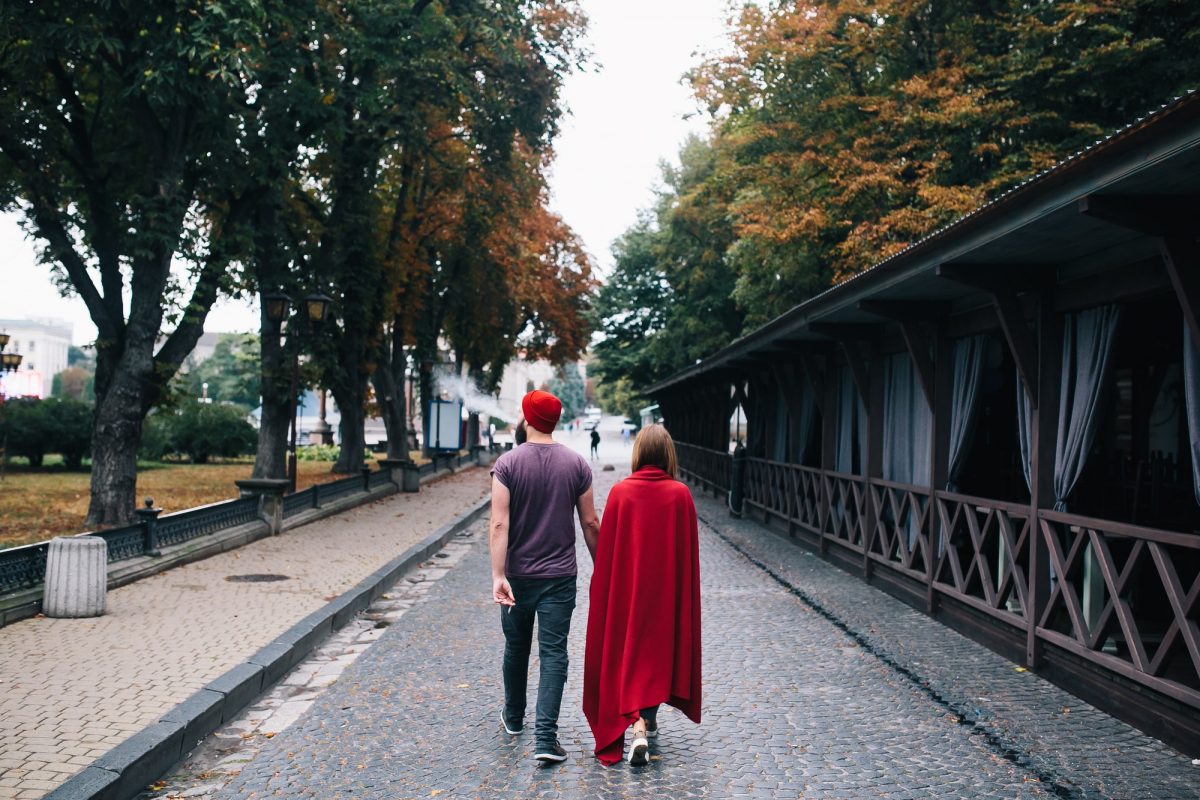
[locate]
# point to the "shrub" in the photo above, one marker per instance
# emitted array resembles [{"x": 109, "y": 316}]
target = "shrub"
[
  {"x": 36, "y": 427},
  {"x": 70, "y": 424},
  {"x": 25, "y": 427},
  {"x": 199, "y": 431}
]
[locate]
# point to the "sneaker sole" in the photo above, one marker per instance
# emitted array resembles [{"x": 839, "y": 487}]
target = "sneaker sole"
[
  {"x": 639, "y": 753},
  {"x": 509, "y": 730},
  {"x": 555, "y": 757}
]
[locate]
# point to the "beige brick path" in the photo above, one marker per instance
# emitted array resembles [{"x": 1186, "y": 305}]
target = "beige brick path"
[{"x": 71, "y": 689}]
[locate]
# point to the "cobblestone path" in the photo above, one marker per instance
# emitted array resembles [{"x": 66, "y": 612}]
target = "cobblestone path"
[
  {"x": 70, "y": 689},
  {"x": 797, "y": 705}
]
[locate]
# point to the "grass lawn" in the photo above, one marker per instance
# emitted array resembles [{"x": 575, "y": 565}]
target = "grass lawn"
[{"x": 39, "y": 504}]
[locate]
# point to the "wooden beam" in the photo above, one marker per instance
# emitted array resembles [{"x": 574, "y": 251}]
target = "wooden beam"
[
  {"x": 846, "y": 331},
  {"x": 999, "y": 277},
  {"x": 1003, "y": 283},
  {"x": 1020, "y": 341},
  {"x": 901, "y": 311},
  {"x": 858, "y": 367},
  {"x": 1181, "y": 257},
  {"x": 918, "y": 350},
  {"x": 816, "y": 379},
  {"x": 1151, "y": 214}
]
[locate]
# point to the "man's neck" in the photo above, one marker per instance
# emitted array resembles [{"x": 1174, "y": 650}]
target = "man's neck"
[{"x": 537, "y": 437}]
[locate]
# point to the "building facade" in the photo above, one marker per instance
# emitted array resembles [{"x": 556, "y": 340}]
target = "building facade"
[
  {"x": 1001, "y": 424},
  {"x": 44, "y": 345}
]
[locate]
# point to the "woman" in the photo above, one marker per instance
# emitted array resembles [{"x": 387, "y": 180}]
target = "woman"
[{"x": 643, "y": 634}]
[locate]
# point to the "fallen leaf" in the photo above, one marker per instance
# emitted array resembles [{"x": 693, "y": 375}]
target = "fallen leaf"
[
  {"x": 158, "y": 786},
  {"x": 463, "y": 686},
  {"x": 1020, "y": 669}
]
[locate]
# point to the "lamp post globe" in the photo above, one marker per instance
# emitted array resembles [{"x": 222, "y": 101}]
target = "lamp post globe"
[
  {"x": 317, "y": 306},
  {"x": 276, "y": 304}
]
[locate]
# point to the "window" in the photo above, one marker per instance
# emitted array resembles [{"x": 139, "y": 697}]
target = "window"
[{"x": 31, "y": 344}]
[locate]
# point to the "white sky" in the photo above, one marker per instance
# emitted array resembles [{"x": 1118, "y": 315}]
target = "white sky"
[{"x": 626, "y": 116}]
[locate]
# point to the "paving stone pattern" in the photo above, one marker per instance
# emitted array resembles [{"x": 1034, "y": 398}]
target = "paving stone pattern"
[
  {"x": 1080, "y": 750},
  {"x": 221, "y": 756},
  {"x": 795, "y": 706},
  {"x": 70, "y": 689}
]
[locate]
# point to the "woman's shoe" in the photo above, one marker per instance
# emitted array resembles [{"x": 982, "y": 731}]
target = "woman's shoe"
[{"x": 639, "y": 750}]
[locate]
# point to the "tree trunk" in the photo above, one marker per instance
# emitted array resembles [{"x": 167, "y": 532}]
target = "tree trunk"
[
  {"x": 389, "y": 393},
  {"x": 270, "y": 460},
  {"x": 116, "y": 435},
  {"x": 426, "y": 395},
  {"x": 350, "y": 402}
]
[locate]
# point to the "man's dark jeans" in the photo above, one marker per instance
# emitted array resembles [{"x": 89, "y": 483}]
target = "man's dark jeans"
[{"x": 551, "y": 601}]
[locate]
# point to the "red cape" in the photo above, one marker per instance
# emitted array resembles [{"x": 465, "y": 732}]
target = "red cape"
[{"x": 643, "y": 633}]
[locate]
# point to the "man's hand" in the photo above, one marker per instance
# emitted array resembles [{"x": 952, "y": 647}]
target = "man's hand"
[{"x": 502, "y": 592}]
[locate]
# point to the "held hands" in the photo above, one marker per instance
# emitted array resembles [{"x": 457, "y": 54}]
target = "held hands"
[{"x": 502, "y": 592}]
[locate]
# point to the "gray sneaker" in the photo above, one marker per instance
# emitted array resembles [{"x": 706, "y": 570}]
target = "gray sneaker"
[
  {"x": 551, "y": 754},
  {"x": 510, "y": 728}
]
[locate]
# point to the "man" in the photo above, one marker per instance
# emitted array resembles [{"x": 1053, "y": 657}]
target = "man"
[
  {"x": 595, "y": 443},
  {"x": 537, "y": 489}
]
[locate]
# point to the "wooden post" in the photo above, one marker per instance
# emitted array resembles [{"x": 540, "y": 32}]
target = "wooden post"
[
  {"x": 828, "y": 446},
  {"x": 1042, "y": 446},
  {"x": 943, "y": 397},
  {"x": 874, "y": 465}
]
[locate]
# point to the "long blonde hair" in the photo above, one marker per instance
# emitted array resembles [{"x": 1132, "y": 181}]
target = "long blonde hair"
[{"x": 654, "y": 447}]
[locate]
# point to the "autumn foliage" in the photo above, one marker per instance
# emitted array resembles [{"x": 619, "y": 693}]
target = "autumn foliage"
[{"x": 844, "y": 131}]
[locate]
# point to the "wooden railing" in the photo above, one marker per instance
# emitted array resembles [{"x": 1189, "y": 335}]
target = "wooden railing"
[
  {"x": 788, "y": 491},
  {"x": 1123, "y": 597},
  {"x": 1127, "y": 598},
  {"x": 982, "y": 549},
  {"x": 710, "y": 467},
  {"x": 900, "y": 525}
]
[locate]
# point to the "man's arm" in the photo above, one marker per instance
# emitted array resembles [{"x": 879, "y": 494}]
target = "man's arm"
[
  {"x": 588, "y": 520},
  {"x": 498, "y": 542}
]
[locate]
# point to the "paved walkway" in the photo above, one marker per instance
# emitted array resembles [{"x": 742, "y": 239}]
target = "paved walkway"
[
  {"x": 798, "y": 704},
  {"x": 72, "y": 689}
]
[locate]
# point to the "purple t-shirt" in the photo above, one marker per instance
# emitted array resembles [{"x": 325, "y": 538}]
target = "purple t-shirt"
[{"x": 544, "y": 482}]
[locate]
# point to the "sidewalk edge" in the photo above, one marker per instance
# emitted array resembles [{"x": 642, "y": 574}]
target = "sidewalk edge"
[{"x": 144, "y": 757}]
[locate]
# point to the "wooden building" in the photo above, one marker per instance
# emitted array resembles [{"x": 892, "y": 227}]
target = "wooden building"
[{"x": 999, "y": 424}]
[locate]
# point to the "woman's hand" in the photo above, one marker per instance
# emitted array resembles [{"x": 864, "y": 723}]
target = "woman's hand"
[{"x": 502, "y": 592}]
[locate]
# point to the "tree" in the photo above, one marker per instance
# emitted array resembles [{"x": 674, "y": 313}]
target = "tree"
[
  {"x": 119, "y": 133},
  {"x": 75, "y": 383},
  {"x": 232, "y": 372},
  {"x": 567, "y": 386}
]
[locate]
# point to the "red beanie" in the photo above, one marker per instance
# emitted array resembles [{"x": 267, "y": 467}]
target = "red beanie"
[{"x": 542, "y": 410}]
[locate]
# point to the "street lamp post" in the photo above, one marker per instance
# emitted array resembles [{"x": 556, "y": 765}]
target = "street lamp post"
[
  {"x": 313, "y": 309},
  {"x": 9, "y": 362}
]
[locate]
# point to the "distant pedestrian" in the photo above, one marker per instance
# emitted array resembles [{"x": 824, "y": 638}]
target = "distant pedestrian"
[
  {"x": 537, "y": 488},
  {"x": 595, "y": 444},
  {"x": 643, "y": 631},
  {"x": 625, "y": 436}
]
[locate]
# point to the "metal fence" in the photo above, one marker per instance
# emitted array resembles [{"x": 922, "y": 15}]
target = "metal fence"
[{"x": 23, "y": 568}]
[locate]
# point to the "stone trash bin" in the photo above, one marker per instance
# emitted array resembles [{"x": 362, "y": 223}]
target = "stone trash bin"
[{"x": 76, "y": 577}]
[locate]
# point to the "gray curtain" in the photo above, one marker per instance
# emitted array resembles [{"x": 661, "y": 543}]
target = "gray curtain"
[
  {"x": 1191, "y": 396},
  {"x": 803, "y": 424},
  {"x": 970, "y": 354},
  {"x": 1025, "y": 432},
  {"x": 907, "y": 424},
  {"x": 779, "y": 443},
  {"x": 1088, "y": 341},
  {"x": 851, "y": 424}
]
